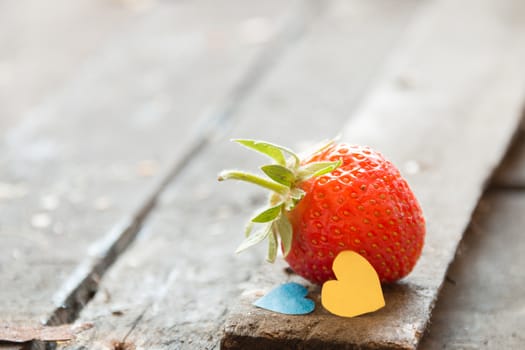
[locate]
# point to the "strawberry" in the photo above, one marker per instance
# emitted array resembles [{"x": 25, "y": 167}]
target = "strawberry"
[{"x": 342, "y": 197}]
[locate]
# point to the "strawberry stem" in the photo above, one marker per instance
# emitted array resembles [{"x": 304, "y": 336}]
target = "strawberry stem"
[
  {"x": 254, "y": 179},
  {"x": 285, "y": 176}
]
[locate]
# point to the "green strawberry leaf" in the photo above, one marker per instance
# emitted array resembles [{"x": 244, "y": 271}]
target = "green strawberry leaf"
[
  {"x": 283, "y": 177},
  {"x": 279, "y": 173},
  {"x": 269, "y": 214},
  {"x": 286, "y": 233},
  {"x": 272, "y": 247},
  {"x": 255, "y": 238},
  {"x": 265, "y": 148},
  {"x": 248, "y": 229},
  {"x": 271, "y": 150},
  {"x": 317, "y": 169}
]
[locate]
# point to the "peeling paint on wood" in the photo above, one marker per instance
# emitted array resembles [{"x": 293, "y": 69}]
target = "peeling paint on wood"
[{"x": 21, "y": 334}]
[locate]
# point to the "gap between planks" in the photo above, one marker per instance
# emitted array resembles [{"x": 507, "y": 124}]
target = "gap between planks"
[
  {"x": 83, "y": 283},
  {"x": 449, "y": 103},
  {"x": 510, "y": 175},
  {"x": 174, "y": 298},
  {"x": 41, "y": 258},
  {"x": 482, "y": 310}
]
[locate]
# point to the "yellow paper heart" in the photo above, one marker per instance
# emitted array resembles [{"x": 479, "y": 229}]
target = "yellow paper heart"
[{"x": 357, "y": 289}]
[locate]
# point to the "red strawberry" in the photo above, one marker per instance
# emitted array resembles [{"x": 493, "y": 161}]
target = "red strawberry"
[{"x": 343, "y": 197}]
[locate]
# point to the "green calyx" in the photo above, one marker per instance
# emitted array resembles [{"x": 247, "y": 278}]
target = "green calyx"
[{"x": 283, "y": 179}]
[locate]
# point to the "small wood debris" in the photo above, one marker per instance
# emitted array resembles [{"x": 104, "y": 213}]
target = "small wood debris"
[{"x": 22, "y": 334}]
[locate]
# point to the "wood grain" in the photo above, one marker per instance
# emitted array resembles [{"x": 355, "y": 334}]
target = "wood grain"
[
  {"x": 43, "y": 45},
  {"x": 82, "y": 170},
  {"x": 173, "y": 287},
  {"x": 445, "y": 111},
  {"x": 481, "y": 304}
]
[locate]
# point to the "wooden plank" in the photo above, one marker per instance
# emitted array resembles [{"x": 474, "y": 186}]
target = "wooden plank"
[
  {"x": 83, "y": 169},
  {"x": 511, "y": 173},
  {"x": 325, "y": 78},
  {"x": 173, "y": 287},
  {"x": 43, "y": 44},
  {"x": 481, "y": 306},
  {"x": 445, "y": 111}
]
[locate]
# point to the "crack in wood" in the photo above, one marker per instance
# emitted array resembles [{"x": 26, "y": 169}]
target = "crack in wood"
[
  {"x": 83, "y": 284},
  {"x": 448, "y": 190},
  {"x": 135, "y": 323}
]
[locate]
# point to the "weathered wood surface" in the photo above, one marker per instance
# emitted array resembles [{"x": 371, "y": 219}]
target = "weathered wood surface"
[
  {"x": 511, "y": 173},
  {"x": 82, "y": 169},
  {"x": 144, "y": 90},
  {"x": 43, "y": 44},
  {"x": 481, "y": 305},
  {"x": 174, "y": 285},
  {"x": 445, "y": 111}
]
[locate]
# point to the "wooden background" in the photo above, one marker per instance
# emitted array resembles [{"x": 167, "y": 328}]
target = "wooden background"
[{"x": 115, "y": 117}]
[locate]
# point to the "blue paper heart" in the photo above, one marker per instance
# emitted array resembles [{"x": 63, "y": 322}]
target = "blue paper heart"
[{"x": 288, "y": 298}]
